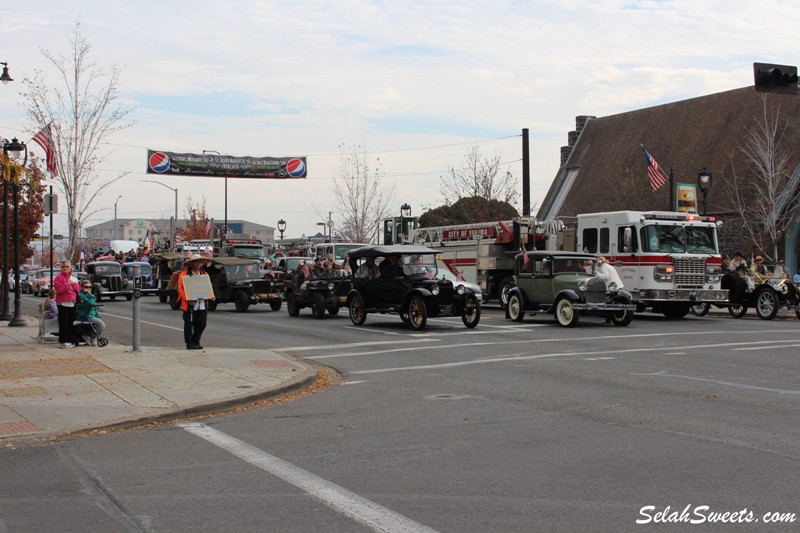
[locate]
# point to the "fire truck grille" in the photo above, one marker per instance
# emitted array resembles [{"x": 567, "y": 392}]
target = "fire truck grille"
[{"x": 690, "y": 272}]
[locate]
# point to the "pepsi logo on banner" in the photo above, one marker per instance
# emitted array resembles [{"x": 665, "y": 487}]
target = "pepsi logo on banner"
[
  {"x": 296, "y": 168},
  {"x": 159, "y": 162}
]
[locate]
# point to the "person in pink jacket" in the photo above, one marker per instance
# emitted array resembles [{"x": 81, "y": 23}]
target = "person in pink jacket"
[{"x": 67, "y": 289}]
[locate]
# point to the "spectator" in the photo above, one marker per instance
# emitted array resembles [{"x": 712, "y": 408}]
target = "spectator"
[
  {"x": 86, "y": 310},
  {"x": 67, "y": 289},
  {"x": 50, "y": 306}
]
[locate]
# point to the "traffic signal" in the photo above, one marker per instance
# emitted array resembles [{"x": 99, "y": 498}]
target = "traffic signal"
[{"x": 781, "y": 79}]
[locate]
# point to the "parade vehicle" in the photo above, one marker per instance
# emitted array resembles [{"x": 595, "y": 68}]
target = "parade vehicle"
[
  {"x": 242, "y": 247},
  {"x": 322, "y": 293},
  {"x": 338, "y": 250},
  {"x": 149, "y": 283},
  {"x": 410, "y": 289},
  {"x": 766, "y": 295},
  {"x": 285, "y": 266},
  {"x": 163, "y": 266},
  {"x": 565, "y": 285},
  {"x": 107, "y": 280},
  {"x": 239, "y": 280}
]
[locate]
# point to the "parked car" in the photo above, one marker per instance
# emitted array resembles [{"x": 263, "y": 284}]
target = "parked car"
[
  {"x": 408, "y": 286},
  {"x": 564, "y": 284},
  {"x": 149, "y": 284},
  {"x": 107, "y": 280},
  {"x": 26, "y": 282},
  {"x": 766, "y": 295},
  {"x": 42, "y": 281},
  {"x": 324, "y": 293}
]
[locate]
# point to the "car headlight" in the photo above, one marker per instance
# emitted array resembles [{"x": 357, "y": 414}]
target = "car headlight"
[
  {"x": 331, "y": 286},
  {"x": 103, "y": 282},
  {"x": 612, "y": 286},
  {"x": 583, "y": 285},
  {"x": 435, "y": 289},
  {"x": 460, "y": 289}
]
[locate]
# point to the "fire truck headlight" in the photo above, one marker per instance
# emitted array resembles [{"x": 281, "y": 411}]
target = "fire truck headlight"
[
  {"x": 713, "y": 273},
  {"x": 663, "y": 272}
]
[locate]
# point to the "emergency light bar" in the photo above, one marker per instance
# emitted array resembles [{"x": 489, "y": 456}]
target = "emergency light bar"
[{"x": 690, "y": 217}]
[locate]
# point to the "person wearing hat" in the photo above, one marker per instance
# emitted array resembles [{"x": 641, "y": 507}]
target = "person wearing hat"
[
  {"x": 759, "y": 268},
  {"x": 737, "y": 263},
  {"x": 194, "y": 311},
  {"x": 780, "y": 270}
]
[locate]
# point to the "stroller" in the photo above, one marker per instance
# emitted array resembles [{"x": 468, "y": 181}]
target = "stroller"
[{"x": 83, "y": 326}]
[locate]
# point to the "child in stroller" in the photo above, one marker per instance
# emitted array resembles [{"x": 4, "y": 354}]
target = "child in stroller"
[{"x": 88, "y": 325}]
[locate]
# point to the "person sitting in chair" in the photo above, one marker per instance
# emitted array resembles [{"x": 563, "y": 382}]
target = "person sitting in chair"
[{"x": 86, "y": 311}]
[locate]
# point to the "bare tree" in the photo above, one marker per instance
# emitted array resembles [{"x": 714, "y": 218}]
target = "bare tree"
[
  {"x": 479, "y": 177},
  {"x": 81, "y": 112},
  {"x": 765, "y": 195},
  {"x": 363, "y": 195}
]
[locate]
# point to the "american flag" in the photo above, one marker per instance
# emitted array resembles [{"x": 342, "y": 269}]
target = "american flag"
[
  {"x": 177, "y": 239},
  {"x": 657, "y": 177},
  {"x": 525, "y": 258},
  {"x": 45, "y": 139}
]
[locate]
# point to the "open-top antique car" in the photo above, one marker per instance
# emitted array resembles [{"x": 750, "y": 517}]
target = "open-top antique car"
[
  {"x": 565, "y": 284},
  {"x": 403, "y": 280},
  {"x": 322, "y": 293},
  {"x": 766, "y": 294},
  {"x": 107, "y": 280},
  {"x": 164, "y": 265}
]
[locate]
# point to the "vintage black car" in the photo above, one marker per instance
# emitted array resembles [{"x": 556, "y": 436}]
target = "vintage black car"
[
  {"x": 239, "y": 280},
  {"x": 565, "y": 284},
  {"x": 326, "y": 292},
  {"x": 149, "y": 283},
  {"x": 404, "y": 281},
  {"x": 766, "y": 295},
  {"x": 163, "y": 265},
  {"x": 107, "y": 280}
]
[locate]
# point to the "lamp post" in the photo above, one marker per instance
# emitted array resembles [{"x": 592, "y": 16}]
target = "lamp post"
[
  {"x": 405, "y": 212},
  {"x": 115, "y": 216},
  {"x": 16, "y": 149},
  {"x": 5, "y": 78},
  {"x": 324, "y": 230},
  {"x": 4, "y": 313},
  {"x": 281, "y": 227},
  {"x": 704, "y": 179},
  {"x": 174, "y": 224}
]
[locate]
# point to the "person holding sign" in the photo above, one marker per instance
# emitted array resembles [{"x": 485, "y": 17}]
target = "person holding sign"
[{"x": 194, "y": 289}]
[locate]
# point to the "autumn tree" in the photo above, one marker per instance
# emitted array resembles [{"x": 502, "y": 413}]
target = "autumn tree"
[
  {"x": 81, "y": 111},
  {"x": 765, "y": 195},
  {"x": 478, "y": 177},
  {"x": 30, "y": 206},
  {"x": 197, "y": 221},
  {"x": 363, "y": 195}
]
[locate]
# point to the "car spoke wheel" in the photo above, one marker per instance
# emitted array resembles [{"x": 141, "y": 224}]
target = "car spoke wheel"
[
  {"x": 291, "y": 304},
  {"x": 737, "y": 311},
  {"x": 318, "y": 305},
  {"x": 358, "y": 315},
  {"x": 700, "y": 309},
  {"x": 566, "y": 315},
  {"x": 515, "y": 311},
  {"x": 242, "y": 301},
  {"x": 472, "y": 311},
  {"x": 417, "y": 313},
  {"x": 767, "y": 304}
]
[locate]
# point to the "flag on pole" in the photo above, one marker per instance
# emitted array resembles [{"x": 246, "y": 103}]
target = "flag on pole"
[
  {"x": 656, "y": 175},
  {"x": 525, "y": 258},
  {"x": 177, "y": 239},
  {"x": 208, "y": 227},
  {"x": 45, "y": 139}
]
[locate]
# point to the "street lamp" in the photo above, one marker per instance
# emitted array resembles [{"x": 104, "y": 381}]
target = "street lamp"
[
  {"x": 704, "y": 179},
  {"x": 324, "y": 230},
  {"x": 405, "y": 212},
  {"x": 16, "y": 149},
  {"x": 5, "y": 78},
  {"x": 174, "y": 224},
  {"x": 115, "y": 216},
  {"x": 281, "y": 227},
  {"x": 4, "y": 313}
]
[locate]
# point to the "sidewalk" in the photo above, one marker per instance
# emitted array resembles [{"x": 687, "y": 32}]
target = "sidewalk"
[{"x": 47, "y": 391}]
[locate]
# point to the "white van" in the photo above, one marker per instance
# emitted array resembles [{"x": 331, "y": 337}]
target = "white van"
[{"x": 123, "y": 246}]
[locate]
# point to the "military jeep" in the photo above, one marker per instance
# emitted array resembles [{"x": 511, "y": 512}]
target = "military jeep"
[
  {"x": 324, "y": 293},
  {"x": 239, "y": 280}
]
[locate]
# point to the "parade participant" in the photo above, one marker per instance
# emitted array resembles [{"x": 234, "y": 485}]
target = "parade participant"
[
  {"x": 607, "y": 272},
  {"x": 368, "y": 270},
  {"x": 738, "y": 263},
  {"x": 391, "y": 268},
  {"x": 67, "y": 289},
  {"x": 780, "y": 270},
  {"x": 195, "y": 312}
]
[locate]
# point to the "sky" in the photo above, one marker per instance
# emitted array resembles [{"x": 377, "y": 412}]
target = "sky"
[{"x": 413, "y": 84}]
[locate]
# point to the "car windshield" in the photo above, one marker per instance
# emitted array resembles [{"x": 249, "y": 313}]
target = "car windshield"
[
  {"x": 249, "y": 253},
  {"x": 561, "y": 264},
  {"x": 341, "y": 250},
  {"x": 420, "y": 264},
  {"x": 107, "y": 270},
  {"x": 43, "y": 274},
  {"x": 144, "y": 269},
  {"x": 679, "y": 239}
]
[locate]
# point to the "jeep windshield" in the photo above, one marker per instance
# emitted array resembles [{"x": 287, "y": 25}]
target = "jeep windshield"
[
  {"x": 680, "y": 239},
  {"x": 240, "y": 272}
]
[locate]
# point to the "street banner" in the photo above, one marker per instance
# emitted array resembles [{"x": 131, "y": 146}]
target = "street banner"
[
  {"x": 225, "y": 166},
  {"x": 687, "y": 197}
]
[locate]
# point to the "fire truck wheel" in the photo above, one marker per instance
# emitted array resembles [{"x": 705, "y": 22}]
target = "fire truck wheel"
[
  {"x": 275, "y": 305},
  {"x": 767, "y": 304},
  {"x": 417, "y": 313},
  {"x": 358, "y": 315},
  {"x": 700, "y": 309},
  {"x": 318, "y": 305},
  {"x": 737, "y": 311},
  {"x": 566, "y": 315},
  {"x": 505, "y": 287},
  {"x": 515, "y": 311},
  {"x": 472, "y": 312},
  {"x": 291, "y": 304}
]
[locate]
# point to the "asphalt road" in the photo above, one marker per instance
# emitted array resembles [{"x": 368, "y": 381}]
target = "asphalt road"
[{"x": 508, "y": 427}]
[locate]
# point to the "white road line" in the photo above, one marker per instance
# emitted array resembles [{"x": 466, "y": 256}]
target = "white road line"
[
  {"x": 348, "y": 345},
  {"x": 718, "y": 382},
  {"x": 761, "y": 347},
  {"x": 362, "y": 510}
]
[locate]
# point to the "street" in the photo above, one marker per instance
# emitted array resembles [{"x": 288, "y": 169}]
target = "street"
[{"x": 507, "y": 427}]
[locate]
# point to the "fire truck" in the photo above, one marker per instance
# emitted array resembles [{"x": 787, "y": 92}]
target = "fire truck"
[{"x": 667, "y": 260}]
